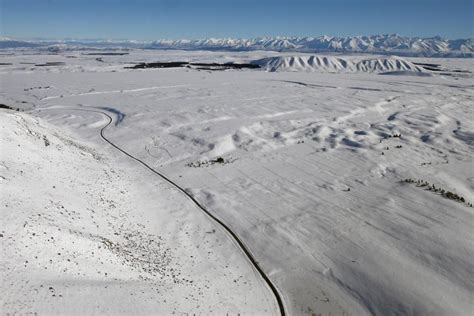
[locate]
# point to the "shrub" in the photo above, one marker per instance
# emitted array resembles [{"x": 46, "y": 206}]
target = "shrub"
[{"x": 431, "y": 187}]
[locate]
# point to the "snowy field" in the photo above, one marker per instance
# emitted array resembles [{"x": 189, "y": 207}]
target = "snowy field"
[{"x": 349, "y": 179}]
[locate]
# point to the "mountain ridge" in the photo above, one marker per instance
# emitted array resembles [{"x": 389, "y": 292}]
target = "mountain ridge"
[
  {"x": 332, "y": 64},
  {"x": 393, "y": 44}
]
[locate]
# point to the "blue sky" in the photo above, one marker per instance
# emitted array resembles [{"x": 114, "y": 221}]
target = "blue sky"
[{"x": 148, "y": 19}]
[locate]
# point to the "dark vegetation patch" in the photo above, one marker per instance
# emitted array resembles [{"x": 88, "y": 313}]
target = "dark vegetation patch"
[
  {"x": 51, "y": 64},
  {"x": 174, "y": 64},
  {"x": 144, "y": 253},
  {"x": 444, "y": 193},
  {"x": 46, "y": 141},
  {"x": 106, "y": 54},
  {"x": 7, "y": 107},
  {"x": 461, "y": 71},
  {"x": 200, "y": 66},
  {"x": 37, "y": 88},
  {"x": 226, "y": 65},
  {"x": 6, "y": 64},
  {"x": 387, "y": 136},
  {"x": 207, "y": 163},
  {"x": 439, "y": 68},
  {"x": 4, "y": 106}
]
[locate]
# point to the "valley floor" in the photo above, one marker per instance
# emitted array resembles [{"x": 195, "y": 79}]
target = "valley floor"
[{"x": 308, "y": 169}]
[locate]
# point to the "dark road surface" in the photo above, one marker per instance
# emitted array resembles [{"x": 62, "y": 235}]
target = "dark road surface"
[{"x": 243, "y": 247}]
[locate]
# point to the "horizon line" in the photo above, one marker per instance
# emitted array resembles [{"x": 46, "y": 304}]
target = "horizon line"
[{"x": 214, "y": 37}]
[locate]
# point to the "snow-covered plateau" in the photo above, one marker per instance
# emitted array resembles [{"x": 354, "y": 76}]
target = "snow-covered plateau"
[{"x": 317, "y": 184}]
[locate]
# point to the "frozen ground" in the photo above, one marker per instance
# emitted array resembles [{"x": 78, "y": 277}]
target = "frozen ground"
[{"x": 311, "y": 181}]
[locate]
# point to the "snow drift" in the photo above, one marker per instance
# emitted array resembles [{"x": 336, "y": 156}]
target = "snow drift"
[{"x": 335, "y": 64}]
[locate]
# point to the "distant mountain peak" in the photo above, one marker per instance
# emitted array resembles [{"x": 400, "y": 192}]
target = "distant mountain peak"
[{"x": 394, "y": 44}]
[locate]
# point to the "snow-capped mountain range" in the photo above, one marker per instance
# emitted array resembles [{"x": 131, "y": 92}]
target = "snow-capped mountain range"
[{"x": 378, "y": 44}]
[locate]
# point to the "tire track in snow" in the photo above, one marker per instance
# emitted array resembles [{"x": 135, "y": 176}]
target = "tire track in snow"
[{"x": 236, "y": 238}]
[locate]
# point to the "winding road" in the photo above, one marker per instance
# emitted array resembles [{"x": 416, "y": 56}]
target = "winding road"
[{"x": 241, "y": 244}]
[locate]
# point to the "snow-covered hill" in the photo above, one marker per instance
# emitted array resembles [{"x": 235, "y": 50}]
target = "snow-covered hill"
[
  {"x": 380, "y": 44},
  {"x": 79, "y": 236},
  {"x": 335, "y": 64}
]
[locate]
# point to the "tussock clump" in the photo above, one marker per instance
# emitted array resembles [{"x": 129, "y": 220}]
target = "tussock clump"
[
  {"x": 207, "y": 163},
  {"x": 431, "y": 187}
]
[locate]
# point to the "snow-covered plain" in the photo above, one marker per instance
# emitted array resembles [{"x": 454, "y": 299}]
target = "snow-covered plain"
[{"x": 311, "y": 182}]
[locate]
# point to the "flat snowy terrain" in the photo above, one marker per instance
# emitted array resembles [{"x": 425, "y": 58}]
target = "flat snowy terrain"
[{"x": 348, "y": 178}]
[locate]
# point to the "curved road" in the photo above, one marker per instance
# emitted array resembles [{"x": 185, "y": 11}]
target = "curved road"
[{"x": 243, "y": 247}]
